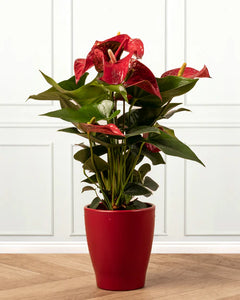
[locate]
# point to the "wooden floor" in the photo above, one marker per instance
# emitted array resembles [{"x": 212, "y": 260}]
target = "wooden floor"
[{"x": 70, "y": 276}]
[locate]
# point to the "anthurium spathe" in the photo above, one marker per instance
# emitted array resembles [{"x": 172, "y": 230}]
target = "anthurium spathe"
[
  {"x": 116, "y": 44},
  {"x": 117, "y": 142},
  {"x": 105, "y": 56},
  {"x": 109, "y": 129},
  {"x": 188, "y": 73},
  {"x": 142, "y": 77}
]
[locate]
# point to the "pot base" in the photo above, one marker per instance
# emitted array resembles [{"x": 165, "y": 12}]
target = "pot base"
[
  {"x": 119, "y": 284},
  {"x": 118, "y": 288}
]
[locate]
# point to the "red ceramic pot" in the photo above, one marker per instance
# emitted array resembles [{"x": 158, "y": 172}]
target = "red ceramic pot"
[{"x": 120, "y": 244}]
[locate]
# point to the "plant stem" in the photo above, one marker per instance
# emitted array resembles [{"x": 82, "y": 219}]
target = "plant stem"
[
  {"x": 112, "y": 173},
  {"x": 99, "y": 179},
  {"x": 123, "y": 116},
  {"x": 129, "y": 175},
  {"x": 130, "y": 110},
  {"x": 115, "y": 107}
]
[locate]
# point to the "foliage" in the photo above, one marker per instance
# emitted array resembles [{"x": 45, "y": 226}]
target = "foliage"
[{"x": 124, "y": 138}]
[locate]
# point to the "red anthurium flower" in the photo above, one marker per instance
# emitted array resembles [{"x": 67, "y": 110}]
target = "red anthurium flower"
[
  {"x": 81, "y": 65},
  {"x": 142, "y": 77},
  {"x": 117, "y": 44},
  {"x": 135, "y": 46},
  {"x": 110, "y": 129},
  {"x": 105, "y": 56},
  {"x": 114, "y": 72},
  {"x": 188, "y": 73}
]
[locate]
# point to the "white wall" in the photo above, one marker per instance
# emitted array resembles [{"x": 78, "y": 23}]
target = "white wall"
[{"x": 41, "y": 205}]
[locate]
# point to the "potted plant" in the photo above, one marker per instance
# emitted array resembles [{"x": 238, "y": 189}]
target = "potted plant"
[{"x": 118, "y": 113}]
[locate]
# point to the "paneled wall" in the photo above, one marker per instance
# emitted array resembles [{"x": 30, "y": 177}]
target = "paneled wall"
[{"x": 40, "y": 184}]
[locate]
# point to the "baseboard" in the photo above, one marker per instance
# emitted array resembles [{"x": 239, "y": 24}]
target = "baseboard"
[
  {"x": 196, "y": 247},
  {"x": 158, "y": 247}
]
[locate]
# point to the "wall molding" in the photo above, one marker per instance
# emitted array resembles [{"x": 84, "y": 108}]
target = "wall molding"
[
  {"x": 51, "y": 150},
  {"x": 158, "y": 247},
  {"x": 72, "y": 218},
  {"x": 169, "y": 123},
  {"x": 31, "y": 125},
  {"x": 185, "y": 195}
]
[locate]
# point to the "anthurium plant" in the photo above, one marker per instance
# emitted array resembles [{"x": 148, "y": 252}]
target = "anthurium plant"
[{"x": 119, "y": 113}]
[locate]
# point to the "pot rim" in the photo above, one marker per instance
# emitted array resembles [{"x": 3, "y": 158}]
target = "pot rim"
[{"x": 152, "y": 206}]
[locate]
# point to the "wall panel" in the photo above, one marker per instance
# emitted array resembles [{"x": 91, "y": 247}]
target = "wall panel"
[
  {"x": 26, "y": 193},
  {"x": 212, "y": 205}
]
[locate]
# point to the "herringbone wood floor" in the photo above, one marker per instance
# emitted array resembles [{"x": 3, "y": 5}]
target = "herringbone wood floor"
[{"x": 70, "y": 277}]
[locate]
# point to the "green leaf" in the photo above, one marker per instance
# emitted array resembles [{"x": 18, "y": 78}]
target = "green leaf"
[
  {"x": 150, "y": 183},
  {"x": 100, "y": 111},
  {"x": 172, "y": 86},
  {"x": 146, "y": 116},
  {"x": 86, "y": 94},
  {"x": 71, "y": 84},
  {"x": 172, "y": 146},
  {"x": 168, "y": 130},
  {"x": 87, "y": 188},
  {"x": 133, "y": 140},
  {"x": 116, "y": 88},
  {"x": 113, "y": 115},
  {"x": 136, "y": 204},
  {"x": 98, "y": 138},
  {"x": 137, "y": 189},
  {"x": 53, "y": 94},
  {"x": 168, "y": 106},
  {"x": 99, "y": 163},
  {"x": 84, "y": 154},
  {"x": 103, "y": 140},
  {"x": 148, "y": 100},
  {"x": 50, "y": 94},
  {"x": 69, "y": 104},
  {"x": 131, "y": 159},
  {"x": 156, "y": 158},
  {"x": 92, "y": 179},
  {"x": 141, "y": 129},
  {"x": 73, "y": 130},
  {"x": 144, "y": 169},
  {"x": 172, "y": 112},
  {"x": 136, "y": 91},
  {"x": 143, "y": 98},
  {"x": 136, "y": 176},
  {"x": 94, "y": 204}
]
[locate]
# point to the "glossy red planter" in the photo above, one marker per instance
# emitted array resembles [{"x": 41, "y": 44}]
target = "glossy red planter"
[{"x": 120, "y": 244}]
